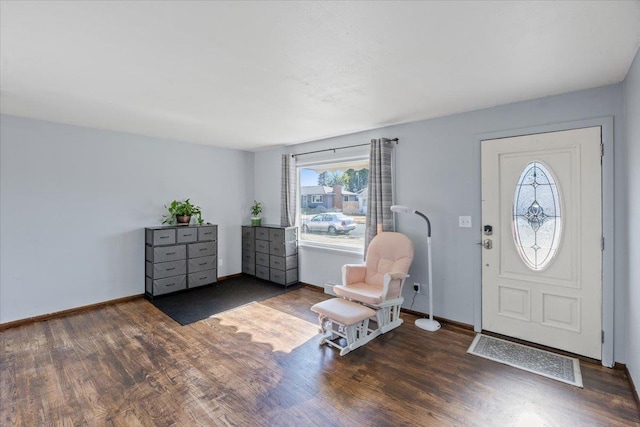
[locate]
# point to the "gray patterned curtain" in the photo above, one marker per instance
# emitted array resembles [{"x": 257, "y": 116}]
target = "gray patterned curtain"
[
  {"x": 289, "y": 191},
  {"x": 380, "y": 195}
]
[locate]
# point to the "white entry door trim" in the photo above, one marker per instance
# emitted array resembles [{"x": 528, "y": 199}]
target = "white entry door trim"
[{"x": 606, "y": 123}]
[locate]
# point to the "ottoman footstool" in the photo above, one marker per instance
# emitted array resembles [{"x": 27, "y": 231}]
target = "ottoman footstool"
[{"x": 349, "y": 320}]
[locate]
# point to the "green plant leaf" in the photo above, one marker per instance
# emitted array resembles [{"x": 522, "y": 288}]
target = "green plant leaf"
[
  {"x": 256, "y": 208},
  {"x": 185, "y": 207}
]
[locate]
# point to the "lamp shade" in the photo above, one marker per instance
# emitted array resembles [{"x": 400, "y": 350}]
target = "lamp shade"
[{"x": 402, "y": 209}]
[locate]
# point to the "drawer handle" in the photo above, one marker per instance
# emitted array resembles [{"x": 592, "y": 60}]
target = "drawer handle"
[
  {"x": 169, "y": 269},
  {"x": 171, "y": 253},
  {"x": 203, "y": 277},
  {"x": 203, "y": 263},
  {"x": 276, "y": 263},
  {"x": 170, "y": 284},
  {"x": 207, "y": 233},
  {"x": 187, "y": 235},
  {"x": 203, "y": 249},
  {"x": 164, "y": 237}
]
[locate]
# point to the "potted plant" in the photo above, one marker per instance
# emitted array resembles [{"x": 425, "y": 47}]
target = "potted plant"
[
  {"x": 256, "y": 209},
  {"x": 181, "y": 213}
]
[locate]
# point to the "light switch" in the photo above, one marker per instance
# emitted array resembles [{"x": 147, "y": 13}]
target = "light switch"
[{"x": 464, "y": 221}]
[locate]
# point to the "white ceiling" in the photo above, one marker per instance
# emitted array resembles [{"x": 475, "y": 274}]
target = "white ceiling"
[{"x": 249, "y": 75}]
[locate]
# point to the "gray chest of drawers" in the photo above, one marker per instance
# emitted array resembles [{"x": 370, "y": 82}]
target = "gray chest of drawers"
[
  {"x": 181, "y": 257},
  {"x": 270, "y": 252}
]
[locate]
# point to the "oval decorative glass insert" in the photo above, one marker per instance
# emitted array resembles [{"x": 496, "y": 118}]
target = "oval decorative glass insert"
[{"x": 537, "y": 220}]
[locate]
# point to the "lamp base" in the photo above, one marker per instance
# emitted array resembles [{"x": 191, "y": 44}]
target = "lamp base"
[{"x": 428, "y": 324}]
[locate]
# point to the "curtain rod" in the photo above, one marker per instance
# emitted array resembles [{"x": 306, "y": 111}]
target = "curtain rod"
[{"x": 396, "y": 140}]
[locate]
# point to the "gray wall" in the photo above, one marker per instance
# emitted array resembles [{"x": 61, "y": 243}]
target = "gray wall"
[
  {"x": 74, "y": 202},
  {"x": 632, "y": 226},
  {"x": 438, "y": 172}
]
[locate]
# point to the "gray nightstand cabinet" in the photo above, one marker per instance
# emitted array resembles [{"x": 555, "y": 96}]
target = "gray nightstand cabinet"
[
  {"x": 180, "y": 257},
  {"x": 270, "y": 252}
]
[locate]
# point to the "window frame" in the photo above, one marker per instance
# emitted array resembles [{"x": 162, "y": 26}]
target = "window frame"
[{"x": 315, "y": 163}]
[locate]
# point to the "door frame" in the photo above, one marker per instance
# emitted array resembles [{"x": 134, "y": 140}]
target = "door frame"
[{"x": 606, "y": 124}]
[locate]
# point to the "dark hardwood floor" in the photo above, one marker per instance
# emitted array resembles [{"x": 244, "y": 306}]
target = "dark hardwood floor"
[{"x": 260, "y": 365}]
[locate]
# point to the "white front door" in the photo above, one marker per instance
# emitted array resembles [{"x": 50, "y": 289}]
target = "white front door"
[{"x": 542, "y": 230}]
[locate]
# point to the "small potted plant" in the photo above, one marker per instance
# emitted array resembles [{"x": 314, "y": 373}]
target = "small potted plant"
[
  {"x": 256, "y": 210},
  {"x": 181, "y": 213}
]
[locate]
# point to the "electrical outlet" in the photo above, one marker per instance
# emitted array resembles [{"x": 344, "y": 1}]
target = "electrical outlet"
[
  {"x": 416, "y": 287},
  {"x": 220, "y": 262}
]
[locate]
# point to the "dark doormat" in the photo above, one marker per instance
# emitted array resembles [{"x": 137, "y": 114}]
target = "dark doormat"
[
  {"x": 541, "y": 362},
  {"x": 197, "y": 304}
]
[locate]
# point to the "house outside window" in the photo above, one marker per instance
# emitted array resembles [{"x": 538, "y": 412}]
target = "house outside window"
[{"x": 330, "y": 206}]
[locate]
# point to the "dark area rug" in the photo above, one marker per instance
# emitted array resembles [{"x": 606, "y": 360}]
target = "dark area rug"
[{"x": 197, "y": 304}]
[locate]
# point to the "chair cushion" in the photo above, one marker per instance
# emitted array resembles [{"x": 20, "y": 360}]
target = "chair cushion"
[
  {"x": 346, "y": 312},
  {"x": 360, "y": 291},
  {"x": 388, "y": 252}
]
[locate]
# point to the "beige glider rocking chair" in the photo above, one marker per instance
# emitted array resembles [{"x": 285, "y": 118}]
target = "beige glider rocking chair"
[{"x": 372, "y": 291}]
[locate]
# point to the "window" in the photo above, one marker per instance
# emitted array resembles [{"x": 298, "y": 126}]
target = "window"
[
  {"x": 537, "y": 218},
  {"x": 333, "y": 203}
]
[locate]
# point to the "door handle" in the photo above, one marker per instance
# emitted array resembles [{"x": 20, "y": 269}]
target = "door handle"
[{"x": 486, "y": 243}]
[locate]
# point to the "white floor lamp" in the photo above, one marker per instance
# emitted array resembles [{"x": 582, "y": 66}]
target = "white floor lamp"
[{"x": 426, "y": 324}]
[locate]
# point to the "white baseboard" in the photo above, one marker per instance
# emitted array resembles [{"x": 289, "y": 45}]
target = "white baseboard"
[{"x": 328, "y": 289}]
